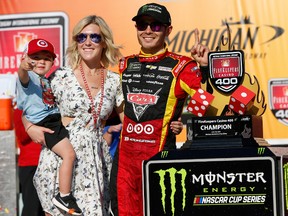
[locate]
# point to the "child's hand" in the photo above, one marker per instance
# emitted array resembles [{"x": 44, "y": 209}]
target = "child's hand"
[
  {"x": 27, "y": 63},
  {"x": 114, "y": 128}
]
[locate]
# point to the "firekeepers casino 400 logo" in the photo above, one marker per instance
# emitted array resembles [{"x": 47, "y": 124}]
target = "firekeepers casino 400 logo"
[{"x": 278, "y": 98}]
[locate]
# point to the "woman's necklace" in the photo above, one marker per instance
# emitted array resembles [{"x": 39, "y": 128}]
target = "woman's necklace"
[{"x": 95, "y": 115}]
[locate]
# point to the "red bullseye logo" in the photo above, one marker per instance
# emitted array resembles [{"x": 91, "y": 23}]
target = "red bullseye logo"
[{"x": 139, "y": 128}]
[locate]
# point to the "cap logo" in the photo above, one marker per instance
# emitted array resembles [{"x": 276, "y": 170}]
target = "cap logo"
[
  {"x": 151, "y": 8},
  {"x": 42, "y": 43},
  {"x": 144, "y": 8},
  {"x": 158, "y": 12}
]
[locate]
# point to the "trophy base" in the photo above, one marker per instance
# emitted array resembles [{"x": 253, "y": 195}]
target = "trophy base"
[
  {"x": 223, "y": 132},
  {"x": 220, "y": 143}
]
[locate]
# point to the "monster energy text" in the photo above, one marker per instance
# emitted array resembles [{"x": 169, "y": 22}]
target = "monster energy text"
[{"x": 228, "y": 178}]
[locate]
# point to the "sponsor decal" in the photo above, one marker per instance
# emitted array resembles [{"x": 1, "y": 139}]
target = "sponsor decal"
[
  {"x": 278, "y": 99},
  {"x": 149, "y": 75},
  {"x": 131, "y": 139},
  {"x": 141, "y": 101},
  {"x": 136, "y": 75},
  {"x": 142, "y": 98},
  {"x": 151, "y": 67},
  {"x": 154, "y": 82},
  {"x": 162, "y": 77},
  {"x": 134, "y": 66},
  {"x": 179, "y": 66},
  {"x": 163, "y": 68},
  {"x": 139, "y": 128}
]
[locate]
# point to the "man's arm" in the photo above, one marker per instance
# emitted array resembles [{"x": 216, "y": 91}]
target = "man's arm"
[{"x": 199, "y": 52}]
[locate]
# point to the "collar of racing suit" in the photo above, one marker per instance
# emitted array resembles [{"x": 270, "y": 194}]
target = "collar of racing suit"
[{"x": 144, "y": 57}]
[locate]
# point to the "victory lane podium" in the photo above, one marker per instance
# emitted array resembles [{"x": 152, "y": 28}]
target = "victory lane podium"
[
  {"x": 221, "y": 170},
  {"x": 214, "y": 182},
  {"x": 236, "y": 176}
]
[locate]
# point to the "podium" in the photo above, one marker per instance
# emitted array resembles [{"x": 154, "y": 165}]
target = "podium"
[{"x": 236, "y": 178}]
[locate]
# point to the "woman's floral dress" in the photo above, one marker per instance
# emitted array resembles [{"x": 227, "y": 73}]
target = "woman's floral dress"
[{"x": 92, "y": 167}]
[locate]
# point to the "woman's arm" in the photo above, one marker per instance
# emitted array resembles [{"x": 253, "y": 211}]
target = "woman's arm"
[{"x": 120, "y": 111}]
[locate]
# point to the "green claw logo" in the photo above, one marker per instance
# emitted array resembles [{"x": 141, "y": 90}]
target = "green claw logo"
[
  {"x": 261, "y": 151},
  {"x": 172, "y": 175},
  {"x": 164, "y": 154}
]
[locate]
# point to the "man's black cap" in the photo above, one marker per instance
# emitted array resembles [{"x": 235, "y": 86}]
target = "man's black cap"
[{"x": 156, "y": 11}]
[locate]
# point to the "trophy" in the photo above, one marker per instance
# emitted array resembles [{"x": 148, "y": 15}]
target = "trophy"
[{"x": 227, "y": 109}]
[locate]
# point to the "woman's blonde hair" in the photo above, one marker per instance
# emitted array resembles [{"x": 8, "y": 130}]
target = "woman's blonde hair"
[{"x": 110, "y": 55}]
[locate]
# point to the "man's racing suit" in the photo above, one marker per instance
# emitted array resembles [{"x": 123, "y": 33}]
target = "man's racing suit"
[{"x": 155, "y": 89}]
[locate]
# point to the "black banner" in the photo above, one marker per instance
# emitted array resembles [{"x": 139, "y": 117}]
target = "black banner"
[{"x": 210, "y": 186}]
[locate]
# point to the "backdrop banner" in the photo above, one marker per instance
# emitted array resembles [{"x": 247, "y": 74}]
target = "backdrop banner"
[{"x": 256, "y": 28}]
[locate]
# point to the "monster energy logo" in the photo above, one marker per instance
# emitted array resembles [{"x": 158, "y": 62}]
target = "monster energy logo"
[
  {"x": 164, "y": 154},
  {"x": 261, "y": 151},
  {"x": 172, "y": 175}
]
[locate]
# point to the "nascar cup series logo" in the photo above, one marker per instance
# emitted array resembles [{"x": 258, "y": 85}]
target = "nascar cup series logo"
[{"x": 278, "y": 98}]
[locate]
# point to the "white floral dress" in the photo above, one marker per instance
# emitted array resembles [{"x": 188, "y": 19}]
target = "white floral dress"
[{"x": 92, "y": 167}]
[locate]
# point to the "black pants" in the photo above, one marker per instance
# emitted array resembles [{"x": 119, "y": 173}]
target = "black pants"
[
  {"x": 31, "y": 203},
  {"x": 113, "y": 184}
]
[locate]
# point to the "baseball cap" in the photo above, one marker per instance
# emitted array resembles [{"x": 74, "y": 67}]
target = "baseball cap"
[
  {"x": 158, "y": 12},
  {"x": 37, "y": 45}
]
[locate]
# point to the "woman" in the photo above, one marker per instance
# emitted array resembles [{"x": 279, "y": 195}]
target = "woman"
[{"x": 86, "y": 93}]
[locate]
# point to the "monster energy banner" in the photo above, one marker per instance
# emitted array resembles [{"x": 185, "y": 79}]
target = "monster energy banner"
[{"x": 211, "y": 186}]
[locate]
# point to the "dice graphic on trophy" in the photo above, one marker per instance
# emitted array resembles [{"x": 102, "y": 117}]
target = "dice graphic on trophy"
[
  {"x": 241, "y": 100},
  {"x": 200, "y": 102}
]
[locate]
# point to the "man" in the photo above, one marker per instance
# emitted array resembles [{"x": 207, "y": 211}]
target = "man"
[
  {"x": 27, "y": 163},
  {"x": 156, "y": 84}
]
